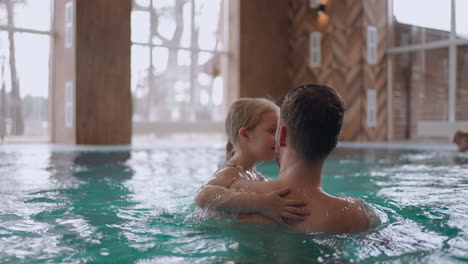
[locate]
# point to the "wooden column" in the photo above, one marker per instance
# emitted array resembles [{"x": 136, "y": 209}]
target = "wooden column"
[
  {"x": 261, "y": 48},
  {"x": 98, "y": 67}
]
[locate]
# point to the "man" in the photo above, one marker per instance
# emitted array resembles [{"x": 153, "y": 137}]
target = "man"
[
  {"x": 310, "y": 123},
  {"x": 461, "y": 139}
]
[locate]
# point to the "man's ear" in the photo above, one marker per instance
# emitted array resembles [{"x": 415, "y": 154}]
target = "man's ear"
[
  {"x": 243, "y": 134},
  {"x": 283, "y": 132}
]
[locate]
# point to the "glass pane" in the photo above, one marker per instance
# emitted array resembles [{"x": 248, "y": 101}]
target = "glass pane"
[
  {"x": 169, "y": 98},
  {"x": 33, "y": 72},
  {"x": 172, "y": 21},
  {"x": 5, "y": 87},
  {"x": 140, "y": 26},
  {"x": 33, "y": 64},
  {"x": 462, "y": 84},
  {"x": 401, "y": 96},
  {"x": 209, "y": 24},
  {"x": 25, "y": 103},
  {"x": 27, "y": 14},
  {"x": 185, "y": 40},
  {"x": 421, "y": 27},
  {"x": 461, "y": 19},
  {"x": 209, "y": 85},
  {"x": 420, "y": 90},
  {"x": 3, "y": 14},
  {"x": 161, "y": 59},
  {"x": 140, "y": 89}
]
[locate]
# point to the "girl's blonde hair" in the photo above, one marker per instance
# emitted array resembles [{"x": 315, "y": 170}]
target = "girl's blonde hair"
[{"x": 245, "y": 113}]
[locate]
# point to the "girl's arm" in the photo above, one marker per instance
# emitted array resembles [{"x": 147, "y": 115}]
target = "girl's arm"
[{"x": 216, "y": 195}]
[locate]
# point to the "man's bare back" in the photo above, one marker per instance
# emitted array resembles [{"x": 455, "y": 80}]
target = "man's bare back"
[{"x": 329, "y": 214}]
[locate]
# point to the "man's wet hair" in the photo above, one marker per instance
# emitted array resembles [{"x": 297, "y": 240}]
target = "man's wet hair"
[{"x": 313, "y": 115}]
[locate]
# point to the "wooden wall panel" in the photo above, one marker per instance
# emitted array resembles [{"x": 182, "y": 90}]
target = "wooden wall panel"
[
  {"x": 63, "y": 69},
  {"x": 375, "y": 75},
  {"x": 343, "y": 58},
  {"x": 353, "y": 96}
]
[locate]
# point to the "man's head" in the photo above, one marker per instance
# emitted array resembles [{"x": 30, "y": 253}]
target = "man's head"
[
  {"x": 461, "y": 139},
  {"x": 312, "y": 115}
]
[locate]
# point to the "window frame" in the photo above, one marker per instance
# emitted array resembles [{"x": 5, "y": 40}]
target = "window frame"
[
  {"x": 438, "y": 126},
  {"x": 14, "y": 29}
]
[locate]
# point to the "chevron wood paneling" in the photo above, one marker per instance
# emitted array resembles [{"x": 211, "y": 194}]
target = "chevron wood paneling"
[
  {"x": 299, "y": 71},
  {"x": 352, "y": 94},
  {"x": 343, "y": 58},
  {"x": 375, "y": 76}
]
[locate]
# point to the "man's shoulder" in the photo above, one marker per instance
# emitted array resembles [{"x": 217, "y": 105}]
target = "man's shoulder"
[
  {"x": 352, "y": 215},
  {"x": 349, "y": 205}
]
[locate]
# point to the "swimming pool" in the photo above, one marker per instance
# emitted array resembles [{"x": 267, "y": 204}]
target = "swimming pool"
[{"x": 135, "y": 205}]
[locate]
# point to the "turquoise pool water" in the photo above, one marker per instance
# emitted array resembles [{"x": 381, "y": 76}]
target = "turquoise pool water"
[{"x": 119, "y": 205}]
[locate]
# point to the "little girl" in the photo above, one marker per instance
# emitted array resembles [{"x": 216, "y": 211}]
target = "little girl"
[{"x": 251, "y": 128}]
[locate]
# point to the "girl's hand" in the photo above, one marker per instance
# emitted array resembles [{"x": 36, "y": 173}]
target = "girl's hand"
[{"x": 273, "y": 205}]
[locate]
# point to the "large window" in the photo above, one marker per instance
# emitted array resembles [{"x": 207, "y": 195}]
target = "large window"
[
  {"x": 428, "y": 62},
  {"x": 179, "y": 65},
  {"x": 25, "y": 37}
]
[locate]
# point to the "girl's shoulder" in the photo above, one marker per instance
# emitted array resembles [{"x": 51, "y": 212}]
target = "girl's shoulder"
[
  {"x": 225, "y": 177},
  {"x": 227, "y": 164},
  {"x": 228, "y": 171},
  {"x": 235, "y": 170}
]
